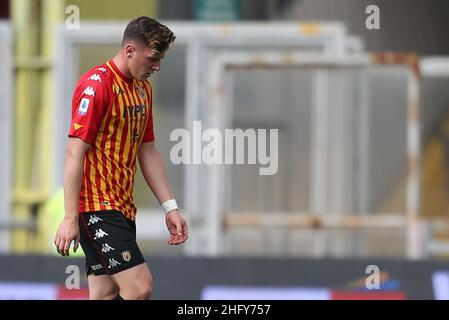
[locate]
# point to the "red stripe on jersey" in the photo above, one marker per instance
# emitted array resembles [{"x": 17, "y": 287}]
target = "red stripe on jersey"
[
  {"x": 105, "y": 193},
  {"x": 116, "y": 114},
  {"x": 148, "y": 135},
  {"x": 124, "y": 141},
  {"x": 131, "y": 153},
  {"x": 128, "y": 152},
  {"x": 89, "y": 186},
  {"x": 149, "y": 120},
  {"x": 84, "y": 195}
]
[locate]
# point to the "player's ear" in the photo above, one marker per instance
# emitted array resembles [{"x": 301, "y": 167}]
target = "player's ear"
[{"x": 130, "y": 50}]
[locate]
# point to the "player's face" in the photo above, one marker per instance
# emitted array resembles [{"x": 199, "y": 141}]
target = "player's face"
[{"x": 144, "y": 62}]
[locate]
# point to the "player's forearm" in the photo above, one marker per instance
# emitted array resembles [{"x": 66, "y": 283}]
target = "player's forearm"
[
  {"x": 73, "y": 173},
  {"x": 153, "y": 170}
]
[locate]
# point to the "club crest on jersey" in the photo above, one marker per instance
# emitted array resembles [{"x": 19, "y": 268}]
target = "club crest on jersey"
[
  {"x": 84, "y": 106},
  {"x": 141, "y": 92}
]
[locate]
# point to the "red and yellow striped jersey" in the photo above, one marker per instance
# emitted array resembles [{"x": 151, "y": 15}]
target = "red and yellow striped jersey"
[{"x": 114, "y": 115}]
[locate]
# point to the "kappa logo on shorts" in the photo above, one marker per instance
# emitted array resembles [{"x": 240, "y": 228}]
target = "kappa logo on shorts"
[
  {"x": 96, "y": 267},
  {"x": 126, "y": 255},
  {"x": 99, "y": 233},
  {"x": 113, "y": 263},
  {"x": 106, "y": 248},
  {"x": 93, "y": 219}
]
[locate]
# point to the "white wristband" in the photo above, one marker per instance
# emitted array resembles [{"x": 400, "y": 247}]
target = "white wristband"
[{"x": 169, "y": 205}]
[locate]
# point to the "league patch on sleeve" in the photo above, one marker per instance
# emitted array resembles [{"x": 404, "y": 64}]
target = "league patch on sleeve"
[{"x": 84, "y": 106}]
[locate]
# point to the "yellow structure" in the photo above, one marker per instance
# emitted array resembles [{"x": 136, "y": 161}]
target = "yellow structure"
[{"x": 48, "y": 222}]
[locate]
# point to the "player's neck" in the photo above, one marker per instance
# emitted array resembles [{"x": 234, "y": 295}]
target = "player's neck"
[{"x": 120, "y": 62}]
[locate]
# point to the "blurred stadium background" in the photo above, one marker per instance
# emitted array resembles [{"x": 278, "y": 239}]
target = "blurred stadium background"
[{"x": 363, "y": 148}]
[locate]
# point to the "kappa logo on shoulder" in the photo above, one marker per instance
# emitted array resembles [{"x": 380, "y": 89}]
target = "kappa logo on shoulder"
[
  {"x": 95, "y": 77},
  {"x": 89, "y": 91}
]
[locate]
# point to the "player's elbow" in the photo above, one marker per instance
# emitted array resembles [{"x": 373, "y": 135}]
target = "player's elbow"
[
  {"x": 76, "y": 149},
  {"x": 146, "y": 153}
]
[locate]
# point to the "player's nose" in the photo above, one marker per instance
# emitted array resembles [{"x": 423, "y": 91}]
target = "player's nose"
[{"x": 157, "y": 66}]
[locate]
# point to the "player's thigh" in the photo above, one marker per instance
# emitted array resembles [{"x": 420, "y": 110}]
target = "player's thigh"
[
  {"x": 135, "y": 282},
  {"x": 102, "y": 287}
]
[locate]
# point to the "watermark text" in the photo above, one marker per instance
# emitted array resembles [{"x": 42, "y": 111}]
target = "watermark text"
[
  {"x": 372, "y": 22},
  {"x": 247, "y": 147},
  {"x": 72, "y": 282},
  {"x": 373, "y": 280},
  {"x": 72, "y": 22}
]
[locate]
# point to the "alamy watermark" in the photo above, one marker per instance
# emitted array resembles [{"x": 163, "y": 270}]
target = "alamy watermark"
[
  {"x": 372, "y": 22},
  {"x": 189, "y": 147},
  {"x": 372, "y": 281},
  {"x": 72, "y": 282},
  {"x": 72, "y": 22}
]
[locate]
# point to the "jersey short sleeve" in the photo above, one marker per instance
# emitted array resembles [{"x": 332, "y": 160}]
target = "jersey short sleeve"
[{"x": 90, "y": 103}]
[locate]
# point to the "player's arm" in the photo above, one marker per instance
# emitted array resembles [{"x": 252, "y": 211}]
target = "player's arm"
[
  {"x": 154, "y": 172},
  {"x": 89, "y": 105},
  {"x": 68, "y": 230},
  {"x": 155, "y": 175},
  {"x": 73, "y": 174}
]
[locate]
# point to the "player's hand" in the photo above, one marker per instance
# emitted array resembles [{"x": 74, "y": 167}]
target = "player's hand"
[
  {"x": 68, "y": 231},
  {"x": 177, "y": 226}
]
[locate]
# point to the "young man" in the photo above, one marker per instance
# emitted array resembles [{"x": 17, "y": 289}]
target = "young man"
[{"x": 111, "y": 126}]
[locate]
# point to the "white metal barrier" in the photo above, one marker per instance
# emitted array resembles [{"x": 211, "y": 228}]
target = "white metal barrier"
[
  {"x": 219, "y": 105},
  {"x": 432, "y": 67}
]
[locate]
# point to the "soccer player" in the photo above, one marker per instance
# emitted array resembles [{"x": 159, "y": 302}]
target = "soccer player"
[{"x": 111, "y": 127}]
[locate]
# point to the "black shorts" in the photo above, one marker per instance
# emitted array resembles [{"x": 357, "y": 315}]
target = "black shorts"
[{"x": 109, "y": 242}]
